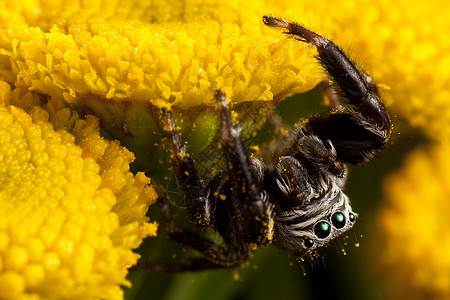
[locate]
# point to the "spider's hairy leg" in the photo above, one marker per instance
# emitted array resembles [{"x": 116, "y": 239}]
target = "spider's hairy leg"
[
  {"x": 256, "y": 211},
  {"x": 356, "y": 131},
  {"x": 209, "y": 249},
  {"x": 299, "y": 32},
  {"x": 199, "y": 205},
  {"x": 214, "y": 255}
]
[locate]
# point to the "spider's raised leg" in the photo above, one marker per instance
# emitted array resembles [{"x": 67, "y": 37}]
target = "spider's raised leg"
[
  {"x": 285, "y": 138},
  {"x": 355, "y": 131},
  {"x": 245, "y": 176}
]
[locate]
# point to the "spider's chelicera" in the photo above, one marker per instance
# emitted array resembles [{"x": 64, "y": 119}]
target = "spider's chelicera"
[{"x": 296, "y": 201}]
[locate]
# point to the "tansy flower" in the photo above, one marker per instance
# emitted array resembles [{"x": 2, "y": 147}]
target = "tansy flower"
[
  {"x": 156, "y": 52},
  {"x": 70, "y": 210},
  {"x": 411, "y": 248}
]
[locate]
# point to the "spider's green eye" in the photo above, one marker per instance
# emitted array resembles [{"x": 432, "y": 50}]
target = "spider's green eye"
[
  {"x": 338, "y": 219},
  {"x": 322, "y": 229},
  {"x": 352, "y": 217},
  {"x": 308, "y": 242}
]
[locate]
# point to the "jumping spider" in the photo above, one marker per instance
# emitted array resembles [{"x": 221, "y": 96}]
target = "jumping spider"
[{"x": 296, "y": 202}]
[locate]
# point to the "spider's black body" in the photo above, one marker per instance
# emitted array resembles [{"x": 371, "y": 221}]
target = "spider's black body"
[{"x": 295, "y": 201}]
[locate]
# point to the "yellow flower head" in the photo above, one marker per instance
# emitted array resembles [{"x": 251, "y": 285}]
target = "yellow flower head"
[
  {"x": 70, "y": 211},
  {"x": 412, "y": 245},
  {"x": 160, "y": 52}
]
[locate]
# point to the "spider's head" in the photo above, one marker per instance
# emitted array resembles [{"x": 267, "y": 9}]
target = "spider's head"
[{"x": 314, "y": 224}]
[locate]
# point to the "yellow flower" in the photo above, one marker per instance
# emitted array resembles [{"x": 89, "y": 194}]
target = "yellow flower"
[
  {"x": 70, "y": 210},
  {"x": 158, "y": 52},
  {"x": 411, "y": 250}
]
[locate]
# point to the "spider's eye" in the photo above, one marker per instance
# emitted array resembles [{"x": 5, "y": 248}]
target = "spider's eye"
[
  {"x": 338, "y": 219},
  {"x": 352, "y": 217},
  {"x": 308, "y": 242},
  {"x": 322, "y": 229}
]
